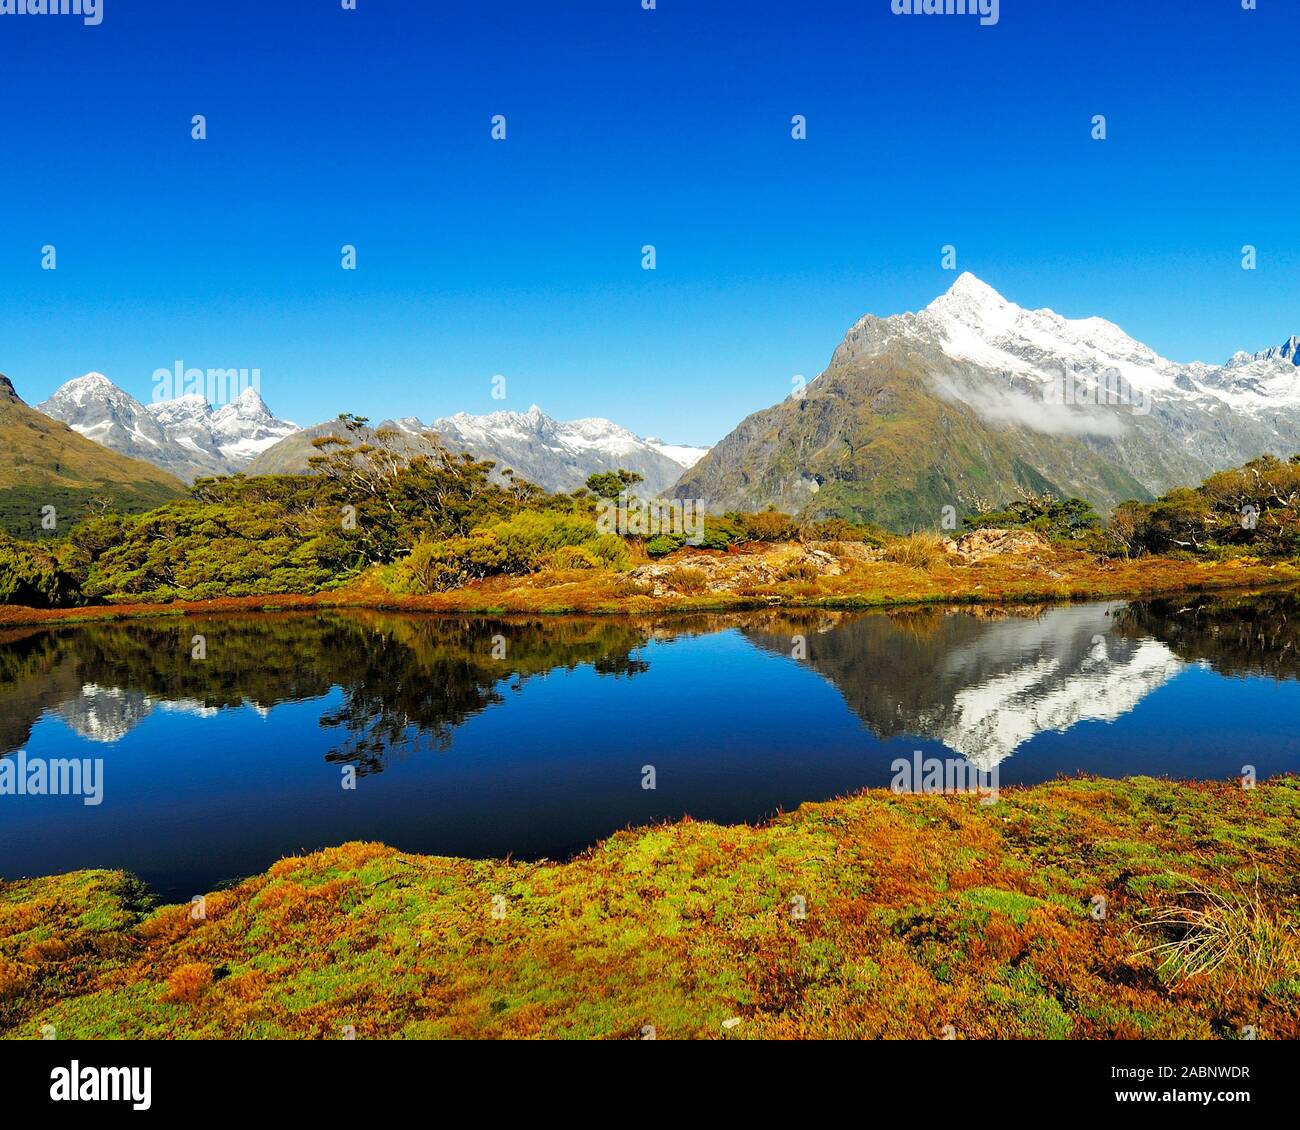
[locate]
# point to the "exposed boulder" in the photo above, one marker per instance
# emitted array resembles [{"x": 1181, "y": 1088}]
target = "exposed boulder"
[
  {"x": 729, "y": 573},
  {"x": 980, "y": 545}
]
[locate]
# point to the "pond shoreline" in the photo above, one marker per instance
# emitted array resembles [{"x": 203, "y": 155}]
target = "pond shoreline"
[
  {"x": 868, "y": 587},
  {"x": 874, "y": 915}
]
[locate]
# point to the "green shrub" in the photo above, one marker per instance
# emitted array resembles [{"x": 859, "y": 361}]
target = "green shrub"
[
  {"x": 1253, "y": 510},
  {"x": 574, "y": 557},
  {"x": 197, "y": 550},
  {"x": 842, "y": 530},
  {"x": 530, "y": 536},
  {"x": 521, "y": 544},
  {"x": 664, "y": 544},
  {"x": 31, "y": 575},
  {"x": 611, "y": 551},
  {"x": 768, "y": 525},
  {"x": 720, "y": 533},
  {"x": 434, "y": 566},
  {"x": 1071, "y": 518}
]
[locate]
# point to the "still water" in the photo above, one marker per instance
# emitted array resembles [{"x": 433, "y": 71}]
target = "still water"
[{"x": 529, "y": 737}]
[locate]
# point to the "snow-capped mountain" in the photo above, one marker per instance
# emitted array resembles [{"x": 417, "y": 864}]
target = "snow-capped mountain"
[
  {"x": 185, "y": 436},
  {"x": 1289, "y": 350},
  {"x": 973, "y": 322},
  {"x": 1165, "y": 423},
  {"x": 556, "y": 455},
  {"x": 99, "y": 410},
  {"x": 975, "y": 397},
  {"x": 559, "y": 455}
]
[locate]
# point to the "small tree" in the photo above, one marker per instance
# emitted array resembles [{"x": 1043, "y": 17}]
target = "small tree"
[
  {"x": 610, "y": 484},
  {"x": 1039, "y": 510}
]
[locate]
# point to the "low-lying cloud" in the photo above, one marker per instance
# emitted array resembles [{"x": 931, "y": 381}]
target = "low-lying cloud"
[{"x": 1036, "y": 410}]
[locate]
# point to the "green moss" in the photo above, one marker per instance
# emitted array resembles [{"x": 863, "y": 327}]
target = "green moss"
[
  {"x": 1011, "y": 903},
  {"x": 876, "y": 915}
]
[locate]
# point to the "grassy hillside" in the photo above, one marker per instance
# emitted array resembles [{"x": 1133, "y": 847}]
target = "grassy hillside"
[
  {"x": 873, "y": 441},
  {"x": 45, "y": 463},
  {"x": 876, "y": 916}
]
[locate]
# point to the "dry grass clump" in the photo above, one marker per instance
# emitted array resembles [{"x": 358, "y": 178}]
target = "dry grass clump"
[
  {"x": 687, "y": 579},
  {"x": 188, "y": 982},
  {"x": 627, "y": 585},
  {"x": 920, "y": 550},
  {"x": 804, "y": 571},
  {"x": 1209, "y": 930}
]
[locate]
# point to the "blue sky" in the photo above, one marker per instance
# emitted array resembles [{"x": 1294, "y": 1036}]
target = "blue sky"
[{"x": 625, "y": 127}]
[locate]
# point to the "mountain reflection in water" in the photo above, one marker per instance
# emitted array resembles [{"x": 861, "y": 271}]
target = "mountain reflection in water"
[{"x": 482, "y": 736}]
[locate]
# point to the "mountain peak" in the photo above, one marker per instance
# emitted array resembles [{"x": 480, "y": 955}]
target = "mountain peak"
[
  {"x": 1288, "y": 351},
  {"x": 91, "y": 379},
  {"x": 968, "y": 285},
  {"x": 971, "y": 298},
  {"x": 8, "y": 394},
  {"x": 247, "y": 405},
  {"x": 88, "y": 386}
]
